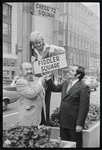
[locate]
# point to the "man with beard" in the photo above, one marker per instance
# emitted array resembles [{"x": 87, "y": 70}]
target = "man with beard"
[{"x": 31, "y": 96}]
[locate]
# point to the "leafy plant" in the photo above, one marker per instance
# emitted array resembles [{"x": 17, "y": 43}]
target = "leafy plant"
[
  {"x": 29, "y": 137},
  {"x": 93, "y": 115}
]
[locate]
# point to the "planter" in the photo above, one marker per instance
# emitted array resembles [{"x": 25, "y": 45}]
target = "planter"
[
  {"x": 90, "y": 136},
  {"x": 68, "y": 144},
  {"x": 32, "y": 137}
]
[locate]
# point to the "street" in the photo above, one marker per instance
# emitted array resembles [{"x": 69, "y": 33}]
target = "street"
[{"x": 11, "y": 114}]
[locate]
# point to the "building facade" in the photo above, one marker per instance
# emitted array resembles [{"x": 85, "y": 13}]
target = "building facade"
[
  {"x": 9, "y": 40},
  {"x": 77, "y": 30}
]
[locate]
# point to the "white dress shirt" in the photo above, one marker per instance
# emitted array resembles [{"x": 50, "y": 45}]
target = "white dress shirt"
[{"x": 74, "y": 81}]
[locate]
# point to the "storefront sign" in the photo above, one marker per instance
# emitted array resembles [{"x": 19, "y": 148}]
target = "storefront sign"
[
  {"x": 50, "y": 64},
  {"x": 9, "y": 62},
  {"x": 46, "y": 11}
]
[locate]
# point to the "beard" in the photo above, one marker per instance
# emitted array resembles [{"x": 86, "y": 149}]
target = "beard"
[{"x": 29, "y": 77}]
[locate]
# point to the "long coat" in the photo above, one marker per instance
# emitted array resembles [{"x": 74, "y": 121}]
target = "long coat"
[
  {"x": 31, "y": 98},
  {"x": 74, "y": 103}
]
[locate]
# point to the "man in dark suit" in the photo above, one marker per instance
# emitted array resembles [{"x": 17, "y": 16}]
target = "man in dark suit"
[{"x": 74, "y": 104}]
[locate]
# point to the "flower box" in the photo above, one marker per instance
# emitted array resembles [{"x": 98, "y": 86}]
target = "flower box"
[
  {"x": 90, "y": 136},
  {"x": 32, "y": 137},
  {"x": 68, "y": 144}
]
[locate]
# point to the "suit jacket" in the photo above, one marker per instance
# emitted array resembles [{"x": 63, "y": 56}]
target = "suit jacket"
[
  {"x": 31, "y": 97},
  {"x": 74, "y": 104}
]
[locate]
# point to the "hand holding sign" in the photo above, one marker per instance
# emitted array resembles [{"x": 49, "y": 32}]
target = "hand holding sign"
[
  {"x": 56, "y": 50},
  {"x": 33, "y": 59},
  {"x": 47, "y": 76}
]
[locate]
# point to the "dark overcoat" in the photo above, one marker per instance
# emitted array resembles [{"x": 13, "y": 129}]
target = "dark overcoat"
[{"x": 74, "y": 103}]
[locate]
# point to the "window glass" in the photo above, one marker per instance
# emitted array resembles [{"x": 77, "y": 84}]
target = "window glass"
[
  {"x": 6, "y": 47},
  {"x": 9, "y": 47},
  {"x": 9, "y": 11},
  {"x": 5, "y": 9},
  {"x": 9, "y": 29},
  {"x": 60, "y": 25},
  {"x": 5, "y": 28}
]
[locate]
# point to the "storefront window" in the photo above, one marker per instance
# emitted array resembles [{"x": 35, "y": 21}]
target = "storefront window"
[
  {"x": 12, "y": 74},
  {"x": 9, "y": 62},
  {"x": 6, "y": 74}
]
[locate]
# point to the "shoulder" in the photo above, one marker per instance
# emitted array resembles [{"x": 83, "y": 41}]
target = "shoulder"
[
  {"x": 84, "y": 85},
  {"x": 21, "y": 81},
  {"x": 47, "y": 46}
]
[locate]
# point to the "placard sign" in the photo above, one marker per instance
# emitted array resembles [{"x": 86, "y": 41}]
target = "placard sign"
[
  {"x": 50, "y": 64},
  {"x": 46, "y": 11}
]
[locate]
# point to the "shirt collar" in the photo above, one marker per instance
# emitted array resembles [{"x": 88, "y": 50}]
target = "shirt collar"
[{"x": 74, "y": 81}]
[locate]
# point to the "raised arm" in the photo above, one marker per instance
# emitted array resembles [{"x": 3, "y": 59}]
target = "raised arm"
[
  {"x": 25, "y": 90},
  {"x": 53, "y": 87},
  {"x": 55, "y": 50}
]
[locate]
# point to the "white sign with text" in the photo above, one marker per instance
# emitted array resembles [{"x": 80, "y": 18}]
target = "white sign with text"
[
  {"x": 46, "y": 11},
  {"x": 50, "y": 64}
]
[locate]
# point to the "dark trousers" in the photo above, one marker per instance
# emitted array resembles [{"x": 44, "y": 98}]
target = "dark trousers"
[
  {"x": 71, "y": 135},
  {"x": 47, "y": 103}
]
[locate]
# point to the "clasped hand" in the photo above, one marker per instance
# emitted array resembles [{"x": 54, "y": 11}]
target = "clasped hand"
[
  {"x": 47, "y": 76},
  {"x": 44, "y": 78}
]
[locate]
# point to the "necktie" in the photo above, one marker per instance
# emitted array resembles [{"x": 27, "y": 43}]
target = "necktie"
[{"x": 69, "y": 86}]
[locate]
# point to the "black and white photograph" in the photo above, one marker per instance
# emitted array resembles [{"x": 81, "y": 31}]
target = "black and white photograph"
[{"x": 51, "y": 74}]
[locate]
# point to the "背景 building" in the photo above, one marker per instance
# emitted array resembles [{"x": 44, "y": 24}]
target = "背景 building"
[
  {"x": 77, "y": 30},
  {"x": 9, "y": 40}
]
